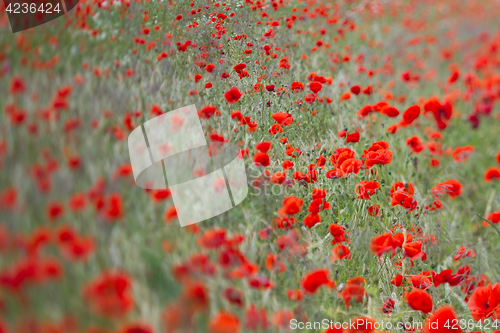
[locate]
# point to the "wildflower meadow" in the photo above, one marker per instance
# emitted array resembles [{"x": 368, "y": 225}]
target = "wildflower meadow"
[{"x": 370, "y": 138}]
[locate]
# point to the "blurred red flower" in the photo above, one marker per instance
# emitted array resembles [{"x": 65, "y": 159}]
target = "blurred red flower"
[{"x": 233, "y": 95}]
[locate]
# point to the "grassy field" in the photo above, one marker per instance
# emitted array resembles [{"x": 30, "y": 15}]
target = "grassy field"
[{"x": 371, "y": 140}]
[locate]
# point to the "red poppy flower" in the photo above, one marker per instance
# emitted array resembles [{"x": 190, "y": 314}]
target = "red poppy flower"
[
  {"x": 374, "y": 210},
  {"x": 283, "y": 118},
  {"x": 274, "y": 264},
  {"x": 439, "y": 321},
  {"x": 320, "y": 161},
  {"x": 436, "y": 205},
  {"x": 381, "y": 156},
  {"x": 8, "y": 198},
  {"x": 212, "y": 238},
  {"x": 278, "y": 178},
  {"x": 351, "y": 165},
  {"x": 381, "y": 244},
  {"x": 319, "y": 193},
  {"x": 334, "y": 173},
  {"x": 340, "y": 155},
  {"x": 160, "y": 195},
  {"x": 270, "y": 87},
  {"x": 233, "y": 95},
  {"x": 17, "y": 85},
  {"x": 460, "y": 276},
  {"x": 399, "y": 238},
  {"x": 298, "y": 176},
  {"x": 74, "y": 246},
  {"x": 291, "y": 151},
  {"x": 342, "y": 134},
  {"x": 440, "y": 278},
  {"x": 353, "y": 291},
  {"x": 419, "y": 300},
  {"x": 491, "y": 174},
  {"x": 441, "y": 112},
  {"x": 461, "y": 154},
  {"x": 392, "y": 129},
  {"x": 415, "y": 144},
  {"x": 312, "y": 219},
  {"x": 297, "y": 86},
  {"x": 434, "y": 162},
  {"x": 405, "y": 200},
  {"x": 452, "y": 187},
  {"x": 337, "y": 232},
  {"x": 113, "y": 207},
  {"x": 355, "y": 89},
  {"x": 256, "y": 318},
  {"x": 390, "y": 111},
  {"x": 318, "y": 205},
  {"x": 216, "y": 137},
  {"x": 315, "y": 279},
  {"x": 367, "y": 90},
  {"x": 246, "y": 269},
  {"x": 378, "y": 145},
  {"x": 224, "y": 322},
  {"x": 208, "y": 111},
  {"x": 275, "y": 129},
  {"x": 242, "y": 120},
  {"x": 493, "y": 218},
  {"x": 414, "y": 251},
  {"x": 365, "y": 111},
  {"x": 54, "y": 210},
  {"x": 397, "y": 281},
  {"x": 315, "y": 86},
  {"x": 281, "y": 319},
  {"x": 110, "y": 294},
  {"x": 400, "y": 186},
  {"x": 292, "y": 205},
  {"x": 170, "y": 214},
  {"x": 239, "y": 68},
  {"x": 353, "y": 137},
  {"x": 260, "y": 282},
  {"x": 365, "y": 189},
  {"x": 388, "y": 306},
  {"x": 312, "y": 173},
  {"x": 411, "y": 114},
  {"x": 485, "y": 302},
  {"x": 462, "y": 252},
  {"x": 194, "y": 298},
  {"x": 340, "y": 252},
  {"x": 209, "y": 68},
  {"x": 287, "y": 165},
  {"x": 295, "y": 295},
  {"x": 422, "y": 281},
  {"x": 310, "y": 98},
  {"x": 263, "y": 146},
  {"x": 261, "y": 159},
  {"x": 345, "y": 96}
]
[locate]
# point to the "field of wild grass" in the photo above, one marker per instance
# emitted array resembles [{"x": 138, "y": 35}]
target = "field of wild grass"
[{"x": 370, "y": 133}]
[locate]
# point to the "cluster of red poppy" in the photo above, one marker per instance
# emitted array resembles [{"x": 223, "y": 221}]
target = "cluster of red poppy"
[{"x": 376, "y": 121}]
